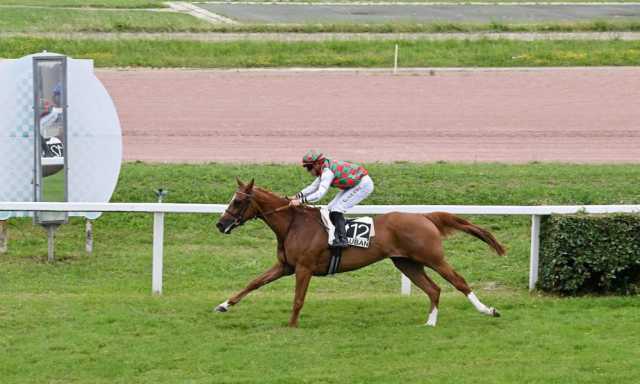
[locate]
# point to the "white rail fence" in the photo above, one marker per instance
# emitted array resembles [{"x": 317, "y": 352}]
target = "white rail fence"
[{"x": 160, "y": 209}]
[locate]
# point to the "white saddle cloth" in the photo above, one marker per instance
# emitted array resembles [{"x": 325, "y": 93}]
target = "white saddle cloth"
[{"x": 331, "y": 229}]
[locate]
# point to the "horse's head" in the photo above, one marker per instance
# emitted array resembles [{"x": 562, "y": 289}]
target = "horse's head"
[{"x": 240, "y": 209}]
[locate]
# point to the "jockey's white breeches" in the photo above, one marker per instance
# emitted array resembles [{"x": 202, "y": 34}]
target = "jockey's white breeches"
[{"x": 348, "y": 198}]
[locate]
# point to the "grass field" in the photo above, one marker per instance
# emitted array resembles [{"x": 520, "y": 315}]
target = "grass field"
[
  {"x": 40, "y": 20},
  {"x": 161, "y": 3},
  {"x": 451, "y": 53},
  {"x": 92, "y": 319},
  {"x": 25, "y": 19},
  {"x": 53, "y": 187},
  {"x": 428, "y": 1},
  {"x": 37, "y": 17},
  {"x": 87, "y": 3}
]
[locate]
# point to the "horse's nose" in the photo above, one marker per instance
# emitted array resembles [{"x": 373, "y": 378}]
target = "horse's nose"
[{"x": 220, "y": 226}]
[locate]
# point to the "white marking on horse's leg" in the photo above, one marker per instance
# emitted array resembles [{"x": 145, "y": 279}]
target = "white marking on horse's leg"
[
  {"x": 433, "y": 317},
  {"x": 479, "y": 306},
  {"x": 224, "y": 307}
]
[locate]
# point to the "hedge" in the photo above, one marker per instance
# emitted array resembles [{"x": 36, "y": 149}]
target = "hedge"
[{"x": 590, "y": 254}]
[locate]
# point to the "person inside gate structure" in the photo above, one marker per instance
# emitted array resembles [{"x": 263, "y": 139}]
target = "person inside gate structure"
[{"x": 352, "y": 179}]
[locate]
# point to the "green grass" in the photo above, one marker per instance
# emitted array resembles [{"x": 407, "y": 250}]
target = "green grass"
[
  {"x": 436, "y": 1},
  {"x": 400, "y": 183},
  {"x": 483, "y": 53},
  {"x": 36, "y": 20},
  {"x": 87, "y": 3},
  {"x": 132, "y": 338},
  {"x": 53, "y": 187},
  {"x": 161, "y": 4},
  {"x": 433, "y": 27},
  {"x": 27, "y": 20},
  {"x": 92, "y": 319}
]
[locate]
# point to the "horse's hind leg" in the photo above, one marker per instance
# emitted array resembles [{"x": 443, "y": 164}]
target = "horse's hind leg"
[
  {"x": 415, "y": 272},
  {"x": 446, "y": 271}
]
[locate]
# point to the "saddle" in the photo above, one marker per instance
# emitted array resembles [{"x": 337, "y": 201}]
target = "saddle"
[
  {"x": 359, "y": 233},
  {"x": 359, "y": 230}
]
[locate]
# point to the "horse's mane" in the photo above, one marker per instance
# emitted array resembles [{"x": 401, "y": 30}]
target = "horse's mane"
[
  {"x": 268, "y": 192},
  {"x": 304, "y": 207}
]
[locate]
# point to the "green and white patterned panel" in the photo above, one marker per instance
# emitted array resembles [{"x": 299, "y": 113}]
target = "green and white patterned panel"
[
  {"x": 16, "y": 133},
  {"x": 94, "y": 148}
]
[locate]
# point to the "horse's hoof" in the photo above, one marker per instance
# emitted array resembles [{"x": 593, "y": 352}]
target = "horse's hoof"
[
  {"x": 495, "y": 313},
  {"x": 221, "y": 309}
]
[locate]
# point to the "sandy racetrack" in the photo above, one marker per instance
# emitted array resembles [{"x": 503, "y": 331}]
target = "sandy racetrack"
[{"x": 568, "y": 115}]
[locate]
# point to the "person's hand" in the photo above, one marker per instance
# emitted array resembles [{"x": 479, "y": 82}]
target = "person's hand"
[
  {"x": 294, "y": 202},
  {"x": 291, "y": 198}
]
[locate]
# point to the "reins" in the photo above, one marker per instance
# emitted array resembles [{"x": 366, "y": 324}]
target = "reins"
[
  {"x": 260, "y": 211},
  {"x": 273, "y": 210},
  {"x": 263, "y": 214},
  {"x": 254, "y": 204}
]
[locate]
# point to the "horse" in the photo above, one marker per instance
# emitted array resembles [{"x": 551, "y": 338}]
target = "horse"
[{"x": 412, "y": 241}]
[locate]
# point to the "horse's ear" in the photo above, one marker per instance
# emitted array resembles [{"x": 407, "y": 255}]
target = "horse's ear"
[
  {"x": 250, "y": 185},
  {"x": 240, "y": 184}
]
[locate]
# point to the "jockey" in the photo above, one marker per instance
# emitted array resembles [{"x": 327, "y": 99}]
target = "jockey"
[
  {"x": 352, "y": 179},
  {"x": 51, "y": 114}
]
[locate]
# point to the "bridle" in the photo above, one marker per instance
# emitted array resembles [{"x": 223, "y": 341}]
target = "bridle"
[{"x": 238, "y": 219}]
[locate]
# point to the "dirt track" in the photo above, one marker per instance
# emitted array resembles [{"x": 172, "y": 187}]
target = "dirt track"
[{"x": 577, "y": 115}]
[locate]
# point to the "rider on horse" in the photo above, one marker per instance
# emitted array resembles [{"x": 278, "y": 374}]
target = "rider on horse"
[{"x": 352, "y": 179}]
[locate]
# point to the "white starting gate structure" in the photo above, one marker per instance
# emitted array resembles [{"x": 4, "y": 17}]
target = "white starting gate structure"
[
  {"x": 60, "y": 137},
  {"x": 160, "y": 209}
]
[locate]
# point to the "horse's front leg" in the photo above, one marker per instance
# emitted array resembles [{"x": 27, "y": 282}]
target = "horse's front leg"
[
  {"x": 303, "y": 277},
  {"x": 271, "y": 274}
]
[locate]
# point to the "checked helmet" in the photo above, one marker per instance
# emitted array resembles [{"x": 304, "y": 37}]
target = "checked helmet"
[{"x": 311, "y": 157}]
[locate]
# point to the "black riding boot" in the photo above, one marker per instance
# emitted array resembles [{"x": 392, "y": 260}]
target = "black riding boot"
[{"x": 340, "y": 240}]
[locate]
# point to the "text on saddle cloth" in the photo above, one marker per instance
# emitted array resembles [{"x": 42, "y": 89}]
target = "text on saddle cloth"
[{"x": 359, "y": 231}]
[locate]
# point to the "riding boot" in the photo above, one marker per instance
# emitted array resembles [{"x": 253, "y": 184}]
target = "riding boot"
[{"x": 340, "y": 240}]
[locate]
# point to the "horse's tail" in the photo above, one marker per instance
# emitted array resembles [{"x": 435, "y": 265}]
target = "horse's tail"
[{"x": 448, "y": 223}]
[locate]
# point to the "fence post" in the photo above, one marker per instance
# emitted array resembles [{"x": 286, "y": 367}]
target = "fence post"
[
  {"x": 51, "y": 231},
  {"x": 3, "y": 236},
  {"x": 405, "y": 288},
  {"x": 535, "y": 251},
  {"x": 158, "y": 238},
  {"x": 88, "y": 230},
  {"x": 395, "y": 61}
]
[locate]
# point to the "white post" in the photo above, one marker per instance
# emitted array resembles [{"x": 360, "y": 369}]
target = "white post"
[
  {"x": 405, "y": 288},
  {"x": 395, "y": 61},
  {"x": 535, "y": 251},
  {"x": 88, "y": 229},
  {"x": 51, "y": 229},
  {"x": 158, "y": 238},
  {"x": 3, "y": 236}
]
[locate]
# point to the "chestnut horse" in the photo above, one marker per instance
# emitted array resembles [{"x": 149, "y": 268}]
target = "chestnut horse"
[{"x": 412, "y": 241}]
